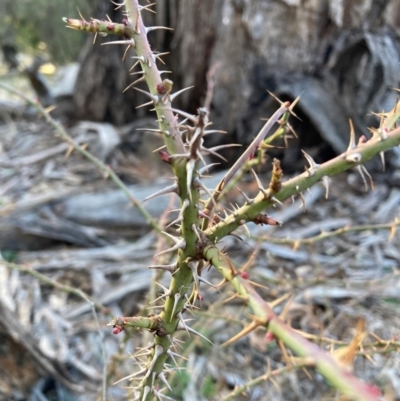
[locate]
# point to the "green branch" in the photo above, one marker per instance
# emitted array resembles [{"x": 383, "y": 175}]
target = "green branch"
[
  {"x": 336, "y": 375},
  {"x": 362, "y": 153}
]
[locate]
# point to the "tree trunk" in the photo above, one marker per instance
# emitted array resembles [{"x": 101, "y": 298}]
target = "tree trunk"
[{"x": 342, "y": 56}]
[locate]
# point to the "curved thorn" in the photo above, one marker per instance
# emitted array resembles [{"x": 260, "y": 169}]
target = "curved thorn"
[
  {"x": 252, "y": 326},
  {"x": 146, "y": 391},
  {"x": 190, "y": 117},
  {"x": 177, "y": 298},
  {"x": 171, "y": 268},
  {"x": 175, "y": 239},
  {"x": 153, "y": 28},
  {"x": 248, "y": 200},
  {"x": 176, "y": 94},
  {"x": 166, "y": 190},
  {"x": 206, "y": 167},
  {"x": 154, "y": 98},
  {"x": 325, "y": 182},
  {"x": 183, "y": 326},
  {"x": 131, "y": 376},
  {"x": 230, "y": 145},
  {"x": 352, "y": 143},
  {"x": 129, "y": 42},
  {"x": 145, "y": 104},
  {"x": 141, "y": 79},
  {"x": 180, "y": 245},
  {"x": 362, "y": 170},
  {"x": 259, "y": 184},
  {"x": 214, "y": 131},
  {"x": 213, "y": 153},
  {"x": 158, "y": 350},
  {"x": 313, "y": 165},
  {"x": 196, "y": 231},
  {"x": 161, "y": 376}
]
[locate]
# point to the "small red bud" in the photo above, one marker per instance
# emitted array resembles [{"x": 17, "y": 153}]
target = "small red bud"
[
  {"x": 161, "y": 89},
  {"x": 117, "y": 330},
  {"x": 165, "y": 156},
  {"x": 110, "y": 28},
  {"x": 251, "y": 157},
  {"x": 200, "y": 297},
  {"x": 245, "y": 275},
  {"x": 269, "y": 337}
]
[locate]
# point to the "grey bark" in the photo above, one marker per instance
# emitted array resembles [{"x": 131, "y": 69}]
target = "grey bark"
[{"x": 343, "y": 56}]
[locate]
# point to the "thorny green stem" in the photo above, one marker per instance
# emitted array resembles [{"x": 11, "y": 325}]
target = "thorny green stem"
[
  {"x": 99, "y": 26},
  {"x": 106, "y": 170},
  {"x": 167, "y": 121},
  {"x": 302, "y": 182},
  {"x": 247, "y": 154},
  {"x": 183, "y": 278},
  {"x": 193, "y": 245},
  {"x": 346, "y": 383}
]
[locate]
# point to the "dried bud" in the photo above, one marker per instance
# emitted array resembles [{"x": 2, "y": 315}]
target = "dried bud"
[
  {"x": 265, "y": 219},
  {"x": 362, "y": 140},
  {"x": 276, "y": 178}
]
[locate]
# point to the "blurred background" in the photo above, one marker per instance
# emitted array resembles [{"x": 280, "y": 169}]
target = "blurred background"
[{"x": 342, "y": 56}]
